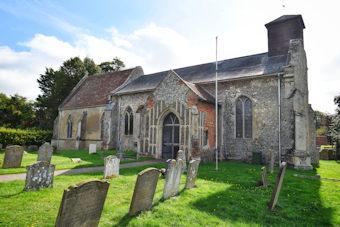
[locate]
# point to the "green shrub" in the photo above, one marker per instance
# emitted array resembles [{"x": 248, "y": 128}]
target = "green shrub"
[{"x": 24, "y": 137}]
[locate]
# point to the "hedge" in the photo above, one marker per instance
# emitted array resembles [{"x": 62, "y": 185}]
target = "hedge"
[{"x": 24, "y": 137}]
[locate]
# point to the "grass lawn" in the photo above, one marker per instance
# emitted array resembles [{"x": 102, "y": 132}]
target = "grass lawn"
[
  {"x": 62, "y": 160},
  {"x": 224, "y": 198}
]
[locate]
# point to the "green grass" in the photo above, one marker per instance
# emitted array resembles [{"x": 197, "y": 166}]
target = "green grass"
[
  {"x": 62, "y": 160},
  {"x": 228, "y": 197}
]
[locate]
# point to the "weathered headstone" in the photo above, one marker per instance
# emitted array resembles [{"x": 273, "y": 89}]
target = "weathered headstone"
[
  {"x": 277, "y": 187},
  {"x": 82, "y": 204},
  {"x": 192, "y": 174},
  {"x": 45, "y": 152},
  {"x": 13, "y": 156},
  {"x": 271, "y": 163},
  {"x": 54, "y": 148},
  {"x": 181, "y": 155},
  {"x": 93, "y": 148},
  {"x": 264, "y": 177},
  {"x": 167, "y": 163},
  {"x": 144, "y": 191},
  {"x": 111, "y": 167},
  {"x": 173, "y": 178},
  {"x": 102, "y": 155},
  {"x": 32, "y": 148},
  {"x": 39, "y": 175},
  {"x": 121, "y": 154}
]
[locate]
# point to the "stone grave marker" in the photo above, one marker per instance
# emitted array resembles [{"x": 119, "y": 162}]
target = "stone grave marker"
[
  {"x": 271, "y": 163},
  {"x": 32, "y": 148},
  {"x": 102, "y": 155},
  {"x": 39, "y": 175},
  {"x": 13, "y": 156},
  {"x": 111, "y": 167},
  {"x": 45, "y": 152},
  {"x": 173, "y": 178},
  {"x": 181, "y": 155},
  {"x": 93, "y": 148},
  {"x": 82, "y": 204},
  {"x": 192, "y": 174},
  {"x": 76, "y": 160},
  {"x": 54, "y": 148},
  {"x": 277, "y": 187},
  {"x": 144, "y": 191},
  {"x": 264, "y": 177},
  {"x": 121, "y": 154}
]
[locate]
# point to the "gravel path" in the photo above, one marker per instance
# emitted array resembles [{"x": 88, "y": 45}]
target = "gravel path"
[{"x": 22, "y": 176}]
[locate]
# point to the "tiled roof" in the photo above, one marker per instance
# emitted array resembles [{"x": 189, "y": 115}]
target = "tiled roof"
[
  {"x": 94, "y": 90},
  {"x": 230, "y": 69}
]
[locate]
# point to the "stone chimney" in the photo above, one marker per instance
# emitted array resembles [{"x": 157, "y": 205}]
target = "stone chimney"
[{"x": 281, "y": 31}]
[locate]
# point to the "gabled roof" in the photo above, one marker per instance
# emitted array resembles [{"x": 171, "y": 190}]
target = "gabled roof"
[
  {"x": 230, "y": 69},
  {"x": 94, "y": 90}
]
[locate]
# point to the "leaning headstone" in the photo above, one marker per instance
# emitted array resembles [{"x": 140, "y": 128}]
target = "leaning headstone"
[
  {"x": 181, "y": 155},
  {"x": 45, "y": 152},
  {"x": 264, "y": 177},
  {"x": 82, "y": 204},
  {"x": 111, "y": 167},
  {"x": 13, "y": 156},
  {"x": 39, "y": 175},
  {"x": 173, "y": 178},
  {"x": 93, "y": 149},
  {"x": 32, "y": 148},
  {"x": 144, "y": 191},
  {"x": 192, "y": 174},
  {"x": 277, "y": 187},
  {"x": 271, "y": 163}
]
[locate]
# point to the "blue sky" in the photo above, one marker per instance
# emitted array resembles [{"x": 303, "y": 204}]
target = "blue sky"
[{"x": 159, "y": 35}]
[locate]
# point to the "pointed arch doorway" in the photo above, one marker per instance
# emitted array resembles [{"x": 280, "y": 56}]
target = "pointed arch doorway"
[{"x": 170, "y": 136}]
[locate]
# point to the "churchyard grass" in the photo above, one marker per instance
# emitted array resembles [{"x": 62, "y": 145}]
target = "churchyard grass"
[
  {"x": 226, "y": 197},
  {"x": 62, "y": 160}
]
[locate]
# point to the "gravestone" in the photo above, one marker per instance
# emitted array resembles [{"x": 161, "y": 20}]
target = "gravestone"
[
  {"x": 54, "y": 148},
  {"x": 264, "y": 177},
  {"x": 167, "y": 163},
  {"x": 76, "y": 160},
  {"x": 93, "y": 148},
  {"x": 82, "y": 204},
  {"x": 192, "y": 174},
  {"x": 271, "y": 163},
  {"x": 111, "y": 167},
  {"x": 144, "y": 191},
  {"x": 277, "y": 187},
  {"x": 39, "y": 175},
  {"x": 102, "y": 155},
  {"x": 45, "y": 152},
  {"x": 32, "y": 148},
  {"x": 173, "y": 178},
  {"x": 181, "y": 155},
  {"x": 13, "y": 156},
  {"x": 121, "y": 154}
]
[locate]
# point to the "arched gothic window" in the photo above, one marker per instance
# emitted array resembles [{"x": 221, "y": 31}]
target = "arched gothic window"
[
  {"x": 69, "y": 127},
  {"x": 244, "y": 117},
  {"x": 128, "y": 121}
]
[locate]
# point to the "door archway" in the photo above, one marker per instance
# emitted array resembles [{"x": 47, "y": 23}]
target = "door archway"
[{"x": 170, "y": 137}]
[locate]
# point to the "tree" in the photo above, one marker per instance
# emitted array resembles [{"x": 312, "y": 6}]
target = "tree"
[
  {"x": 16, "y": 112},
  {"x": 110, "y": 66},
  {"x": 57, "y": 84},
  {"x": 322, "y": 122},
  {"x": 337, "y": 102}
]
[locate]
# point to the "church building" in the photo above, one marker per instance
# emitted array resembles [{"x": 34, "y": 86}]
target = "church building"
[{"x": 262, "y": 106}]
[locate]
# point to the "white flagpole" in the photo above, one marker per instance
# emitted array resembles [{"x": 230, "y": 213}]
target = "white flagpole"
[{"x": 216, "y": 114}]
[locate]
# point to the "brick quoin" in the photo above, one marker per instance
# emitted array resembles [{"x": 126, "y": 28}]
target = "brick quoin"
[{"x": 209, "y": 123}]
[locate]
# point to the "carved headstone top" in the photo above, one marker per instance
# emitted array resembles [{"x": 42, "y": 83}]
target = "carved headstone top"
[
  {"x": 111, "y": 167},
  {"x": 45, "y": 152},
  {"x": 82, "y": 204},
  {"x": 13, "y": 156},
  {"x": 39, "y": 175},
  {"x": 144, "y": 190}
]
